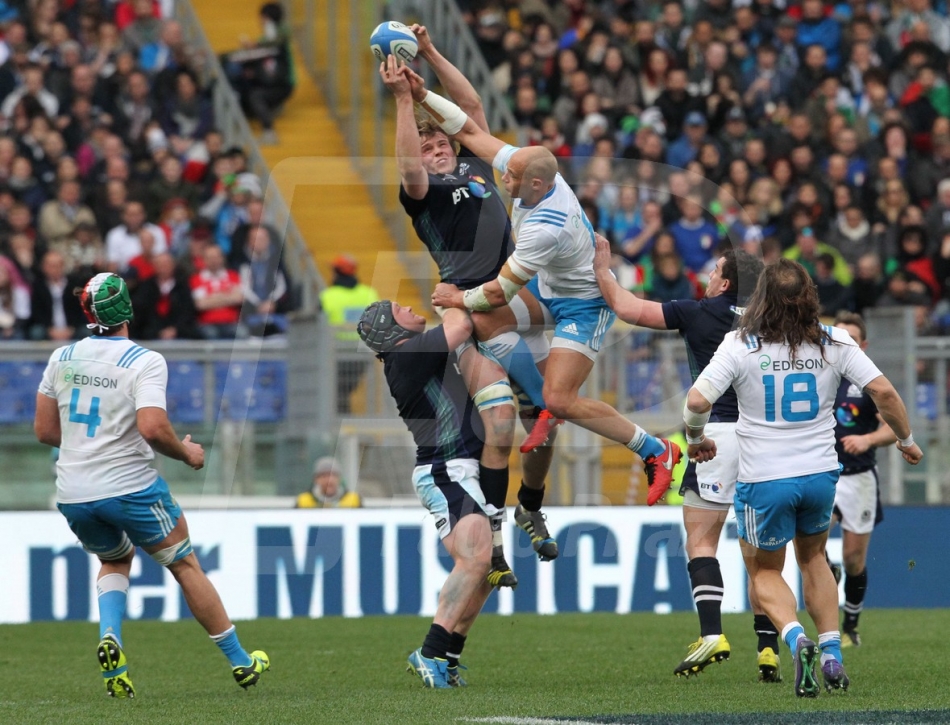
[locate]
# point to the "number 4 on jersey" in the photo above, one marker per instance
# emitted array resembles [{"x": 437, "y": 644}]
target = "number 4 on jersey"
[{"x": 91, "y": 419}]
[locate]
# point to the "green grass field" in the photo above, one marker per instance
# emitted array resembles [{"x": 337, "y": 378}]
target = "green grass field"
[{"x": 522, "y": 669}]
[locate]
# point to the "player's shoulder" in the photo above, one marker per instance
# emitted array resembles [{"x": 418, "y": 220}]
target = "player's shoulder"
[
  {"x": 137, "y": 357},
  {"x": 838, "y": 335}
]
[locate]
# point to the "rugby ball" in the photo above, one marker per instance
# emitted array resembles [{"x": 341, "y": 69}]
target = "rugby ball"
[{"x": 392, "y": 38}]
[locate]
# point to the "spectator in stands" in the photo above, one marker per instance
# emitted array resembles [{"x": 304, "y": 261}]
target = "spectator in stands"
[
  {"x": 110, "y": 205},
  {"x": 807, "y": 249},
  {"x": 169, "y": 185},
  {"x": 343, "y": 301},
  {"x": 676, "y": 102},
  {"x": 672, "y": 281},
  {"x": 641, "y": 237},
  {"x": 912, "y": 257},
  {"x": 264, "y": 84},
  {"x": 695, "y": 236},
  {"x": 14, "y": 302},
  {"x": 22, "y": 251},
  {"x": 199, "y": 239},
  {"x": 218, "y": 296},
  {"x": 58, "y": 218},
  {"x": 832, "y": 295},
  {"x": 851, "y": 235},
  {"x": 187, "y": 116},
  {"x": 142, "y": 266},
  {"x": 937, "y": 216},
  {"x": 264, "y": 287},
  {"x": 233, "y": 211},
  {"x": 25, "y": 185},
  {"x": 685, "y": 148},
  {"x": 164, "y": 308},
  {"x": 145, "y": 28},
  {"x": 869, "y": 282},
  {"x": 175, "y": 221},
  {"x": 83, "y": 252},
  {"x": 123, "y": 243},
  {"x": 328, "y": 489},
  {"x": 55, "y": 311},
  {"x": 135, "y": 109},
  {"x": 818, "y": 28},
  {"x": 900, "y": 31},
  {"x": 32, "y": 87},
  {"x": 174, "y": 55},
  {"x": 256, "y": 217}
]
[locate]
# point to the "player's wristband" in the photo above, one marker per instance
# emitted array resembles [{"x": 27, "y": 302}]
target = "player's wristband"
[
  {"x": 906, "y": 442},
  {"x": 695, "y": 441}
]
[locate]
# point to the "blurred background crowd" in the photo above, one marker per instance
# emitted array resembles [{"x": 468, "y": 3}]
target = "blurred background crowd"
[
  {"x": 110, "y": 161},
  {"x": 815, "y": 130}
]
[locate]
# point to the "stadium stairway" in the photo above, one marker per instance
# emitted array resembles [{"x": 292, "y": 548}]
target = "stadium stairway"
[{"x": 327, "y": 196}]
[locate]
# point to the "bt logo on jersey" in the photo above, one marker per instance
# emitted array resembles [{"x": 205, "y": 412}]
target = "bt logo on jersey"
[{"x": 459, "y": 194}]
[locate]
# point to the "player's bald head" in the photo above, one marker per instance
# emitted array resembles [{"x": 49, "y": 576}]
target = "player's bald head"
[{"x": 533, "y": 162}]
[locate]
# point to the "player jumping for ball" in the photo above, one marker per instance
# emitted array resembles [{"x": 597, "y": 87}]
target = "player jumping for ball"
[{"x": 553, "y": 259}]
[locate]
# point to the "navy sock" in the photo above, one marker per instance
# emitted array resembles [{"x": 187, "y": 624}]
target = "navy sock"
[
  {"x": 705, "y": 577},
  {"x": 768, "y": 634},
  {"x": 855, "y": 588},
  {"x": 437, "y": 643},
  {"x": 530, "y": 498},
  {"x": 494, "y": 483},
  {"x": 455, "y": 649}
]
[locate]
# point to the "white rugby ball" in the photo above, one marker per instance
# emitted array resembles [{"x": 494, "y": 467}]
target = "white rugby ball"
[{"x": 393, "y": 38}]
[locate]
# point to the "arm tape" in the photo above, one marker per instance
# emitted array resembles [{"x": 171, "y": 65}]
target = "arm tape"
[
  {"x": 502, "y": 158},
  {"x": 450, "y": 117},
  {"x": 475, "y": 300},
  {"x": 508, "y": 287},
  {"x": 526, "y": 274},
  {"x": 907, "y": 442},
  {"x": 696, "y": 421}
]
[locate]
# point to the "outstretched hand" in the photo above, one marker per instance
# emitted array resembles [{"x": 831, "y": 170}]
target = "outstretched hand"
[
  {"x": 423, "y": 39},
  {"x": 602, "y": 256},
  {"x": 394, "y": 77}
]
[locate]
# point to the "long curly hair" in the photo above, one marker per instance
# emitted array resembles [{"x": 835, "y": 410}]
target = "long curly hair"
[{"x": 784, "y": 308}]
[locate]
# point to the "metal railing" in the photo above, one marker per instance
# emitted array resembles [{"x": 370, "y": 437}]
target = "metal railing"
[{"x": 232, "y": 123}]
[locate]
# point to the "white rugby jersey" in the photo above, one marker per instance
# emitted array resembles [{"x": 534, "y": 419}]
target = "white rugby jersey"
[
  {"x": 786, "y": 422},
  {"x": 99, "y": 384},
  {"x": 555, "y": 239}
]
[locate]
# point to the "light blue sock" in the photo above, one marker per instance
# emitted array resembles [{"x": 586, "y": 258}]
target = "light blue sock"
[
  {"x": 645, "y": 445},
  {"x": 229, "y": 644},
  {"x": 514, "y": 355},
  {"x": 791, "y": 633},
  {"x": 113, "y": 591},
  {"x": 830, "y": 644}
]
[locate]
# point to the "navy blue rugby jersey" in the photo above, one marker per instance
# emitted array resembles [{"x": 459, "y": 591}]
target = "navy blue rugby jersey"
[
  {"x": 432, "y": 399},
  {"x": 855, "y": 414},
  {"x": 703, "y": 324},
  {"x": 463, "y": 222}
]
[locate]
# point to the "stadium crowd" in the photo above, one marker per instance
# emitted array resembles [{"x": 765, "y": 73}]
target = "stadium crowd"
[
  {"x": 811, "y": 130},
  {"x": 110, "y": 161}
]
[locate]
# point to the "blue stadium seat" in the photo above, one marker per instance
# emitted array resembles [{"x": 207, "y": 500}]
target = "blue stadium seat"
[
  {"x": 927, "y": 400},
  {"x": 685, "y": 376},
  {"x": 645, "y": 384},
  {"x": 185, "y": 395},
  {"x": 18, "y": 384},
  {"x": 261, "y": 394}
]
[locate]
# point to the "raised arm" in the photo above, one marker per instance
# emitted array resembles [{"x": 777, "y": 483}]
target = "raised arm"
[
  {"x": 414, "y": 178},
  {"x": 454, "y": 121},
  {"x": 628, "y": 306},
  {"x": 455, "y": 84}
]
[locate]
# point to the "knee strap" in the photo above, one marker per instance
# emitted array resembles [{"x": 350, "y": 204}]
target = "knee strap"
[
  {"x": 494, "y": 395},
  {"x": 173, "y": 553}
]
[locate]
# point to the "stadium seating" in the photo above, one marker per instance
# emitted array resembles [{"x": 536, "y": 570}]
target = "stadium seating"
[
  {"x": 245, "y": 393},
  {"x": 18, "y": 384},
  {"x": 185, "y": 394}
]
